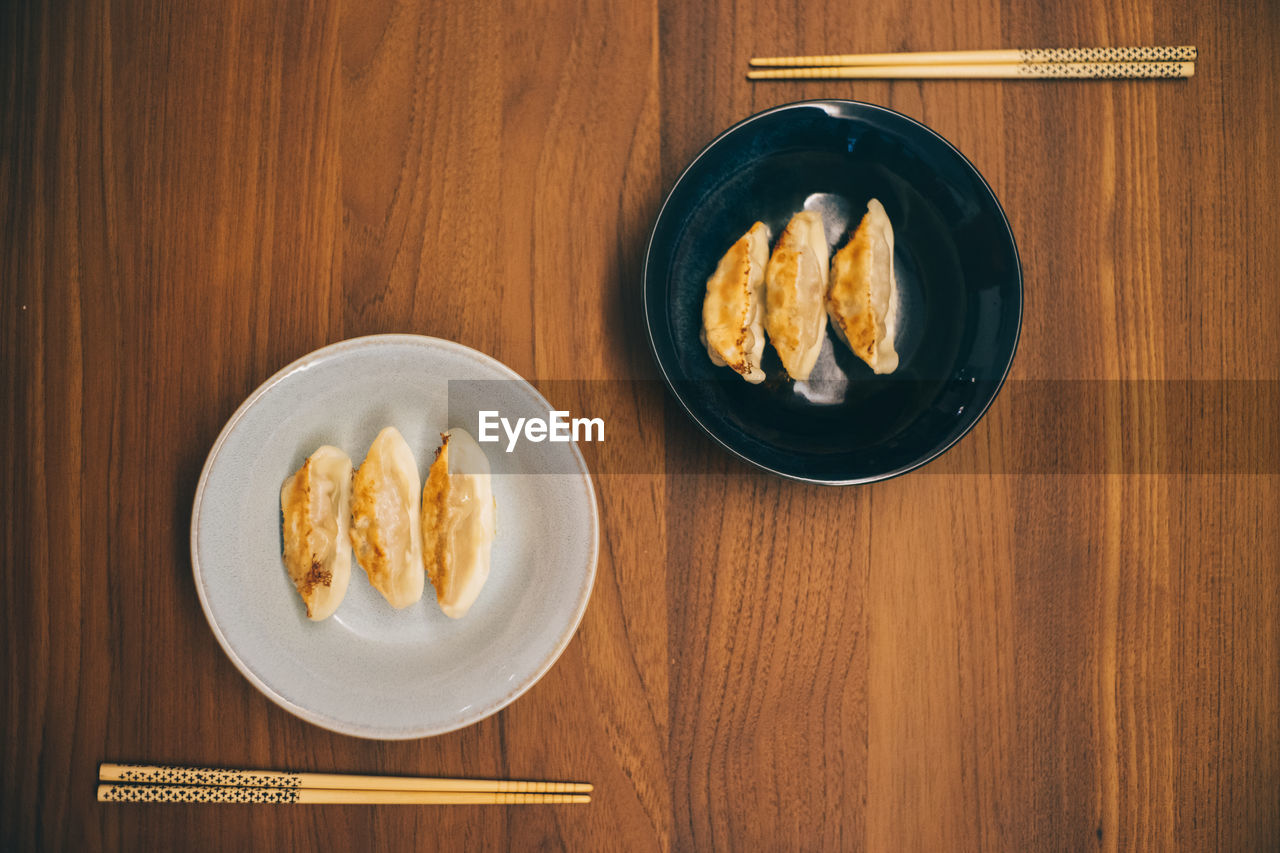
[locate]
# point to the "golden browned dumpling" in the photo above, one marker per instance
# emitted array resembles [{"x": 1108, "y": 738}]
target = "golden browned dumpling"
[
  {"x": 795, "y": 285},
  {"x": 733, "y": 309},
  {"x": 385, "y": 532},
  {"x": 863, "y": 299},
  {"x": 316, "y": 504},
  {"x": 458, "y": 522}
]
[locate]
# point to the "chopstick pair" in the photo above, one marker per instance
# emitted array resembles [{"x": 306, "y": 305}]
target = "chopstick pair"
[
  {"x": 1165, "y": 61},
  {"x": 140, "y": 783}
]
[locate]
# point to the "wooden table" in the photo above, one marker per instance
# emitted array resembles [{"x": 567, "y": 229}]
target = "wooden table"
[{"x": 1026, "y": 656}]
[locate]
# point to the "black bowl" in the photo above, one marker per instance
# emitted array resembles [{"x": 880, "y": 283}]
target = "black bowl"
[{"x": 958, "y": 276}]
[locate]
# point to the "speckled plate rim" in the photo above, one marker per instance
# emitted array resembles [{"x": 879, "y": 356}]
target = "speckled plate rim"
[
  {"x": 323, "y": 720},
  {"x": 827, "y": 105}
]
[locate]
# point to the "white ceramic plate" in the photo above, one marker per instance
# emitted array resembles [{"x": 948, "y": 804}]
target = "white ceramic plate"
[{"x": 370, "y": 670}]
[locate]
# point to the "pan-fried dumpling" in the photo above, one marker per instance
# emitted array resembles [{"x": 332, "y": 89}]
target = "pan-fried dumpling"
[
  {"x": 795, "y": 286},
  {"x": 458, "y": 522},
  {"x": 733, "y": 310},
  {"x": 385, "y": 532},
  {"x": 863, "y": 299},
  {"x": 316, "y": 504}
]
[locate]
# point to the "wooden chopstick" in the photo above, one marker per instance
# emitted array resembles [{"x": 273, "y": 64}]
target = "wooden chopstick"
[
  {"x": 1025, "y": 71},
  {"x": 113, "y": 793},
  {"x": 1160, "y": 53},
  {"x": 207, "y": 777}
]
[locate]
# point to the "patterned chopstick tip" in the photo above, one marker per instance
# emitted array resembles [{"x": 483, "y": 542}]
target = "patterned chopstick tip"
[
  {"x": 163, "y": 774},
  {"x": 1101, "y": 70},
  {"x": 195, "y": 794},
  {"x": 1165, "y": 53}
]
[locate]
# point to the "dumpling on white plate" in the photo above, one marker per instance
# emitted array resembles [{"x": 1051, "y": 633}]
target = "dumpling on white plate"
[
  {"x": 458, "y": 522},
  {"x": 863, "y": 298},
  {"x": 385, "y": 531},
  {"x": 795, "y": 288},
  {"x": 733, "y": 309},
  {"x": 315, "y": 502}
]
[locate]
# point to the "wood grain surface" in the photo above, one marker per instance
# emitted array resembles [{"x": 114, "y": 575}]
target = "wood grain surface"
[{"x": 1027, "y": 656}]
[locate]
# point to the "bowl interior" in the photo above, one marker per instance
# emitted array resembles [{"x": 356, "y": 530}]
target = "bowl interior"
[{"x": 955, "y": 261}]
